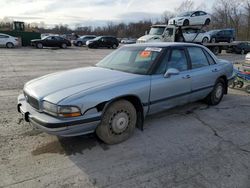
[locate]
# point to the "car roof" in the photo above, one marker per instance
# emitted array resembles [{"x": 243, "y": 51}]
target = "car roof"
[{"x": 164, "y": 44}]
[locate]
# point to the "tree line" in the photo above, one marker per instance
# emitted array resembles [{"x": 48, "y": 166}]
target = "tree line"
[{"x": 225, "y": 14}]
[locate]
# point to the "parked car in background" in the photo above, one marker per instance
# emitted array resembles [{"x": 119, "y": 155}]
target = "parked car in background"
[
  {"x": 222, "y": 35},
  {"x": 128, "y": 41},
  {"x": 51, "y": 41},
  {"x": 8, "y": 41},
  {"x": 239, "y": 48},
  {"x": 191, "y": 18},
  {"x": 103, "y": 41},
  {"x": 195, "y": 35},
  {"x": 114, "y": 96},
  {"x": 83, "y": 39}
]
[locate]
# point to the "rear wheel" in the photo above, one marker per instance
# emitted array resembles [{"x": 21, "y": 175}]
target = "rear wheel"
[
  {"x": 217, "y": 94},
  {"x": 10, "y": 45},
  {"x": 186, "y": 23},
  {"x": 39, "y": 45},
  {"x": 64, "y": 46},
  {"x": 231, "y": 40},
  {"x": 114, "y": 46},
  {"x": 207, "y": 22},
  {"x": 118, "y": 122},
  {"x": 242, "y": 51},
  {"x": 79, "y": 43},
  {"x": 205, "y": 40}
]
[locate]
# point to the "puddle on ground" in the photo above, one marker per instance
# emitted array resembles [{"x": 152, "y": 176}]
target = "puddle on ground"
[{"x": 71, "y": 145}]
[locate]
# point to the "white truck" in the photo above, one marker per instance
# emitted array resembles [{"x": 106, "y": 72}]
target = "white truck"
[{"x": 193, "y": 34}]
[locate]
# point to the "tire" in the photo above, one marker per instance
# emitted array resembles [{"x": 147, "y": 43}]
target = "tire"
[
  {"x": 232, "y": 85},
  {"x": 216, "y": 50},
  {"x": 240, "y": 84},
  {"x": 217, "y": 94},
  {"x": 64, "y": 46},
  {"x": 79, "y": 44},
  {"x": 207, "y": 22},
  {"x": 205, "y": 40},
  {"x": 231, "y": 40},
  {"x": 242, "y": 52},
  {"x": 118, "y": 122},
  {"x": 213, "y": 40},
  {"x": 186, "y": 23},
  {"x": 248, "y": 88},
  {"x": 114, "y": 46},
  {"x": 39, "y": 45},
  {"x": 10, "y": 45}
]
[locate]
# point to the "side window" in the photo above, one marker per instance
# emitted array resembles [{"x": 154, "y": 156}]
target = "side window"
[
  {"x": 209, "y": 58},
  {"x": 4, "y": 36},
  {"x": 198, "y": 58},
  {"x": 178, "y": 60}
]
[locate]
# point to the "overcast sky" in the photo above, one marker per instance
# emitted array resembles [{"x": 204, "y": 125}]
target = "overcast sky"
[{"x": 88, "y": 12}]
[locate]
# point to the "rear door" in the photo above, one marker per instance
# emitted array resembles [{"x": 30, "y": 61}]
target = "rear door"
[
  {"x": 204, "y": 73},
  {"x": 175, "y": 89}
]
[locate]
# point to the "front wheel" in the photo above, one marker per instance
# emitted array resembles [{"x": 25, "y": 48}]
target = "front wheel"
[
  {"x": 114, "y": 46},
  {"x": 186, "y": 23},
  {"x": 242, "y": 52},
  {"x": 217, "y": 94},
  {"x": 118, "y": 122},
  {"x": 39, "y": 45},
  {"x": 213, "y": 40}
]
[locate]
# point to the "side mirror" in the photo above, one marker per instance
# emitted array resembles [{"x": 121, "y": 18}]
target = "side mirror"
[{"x": 171, "y": 71}]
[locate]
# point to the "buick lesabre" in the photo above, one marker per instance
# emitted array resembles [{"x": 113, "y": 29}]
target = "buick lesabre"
[{"x": 113, "y": 97}]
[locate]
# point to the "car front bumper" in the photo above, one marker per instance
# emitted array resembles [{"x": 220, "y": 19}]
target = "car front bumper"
[{"x": 65, "y": 127}]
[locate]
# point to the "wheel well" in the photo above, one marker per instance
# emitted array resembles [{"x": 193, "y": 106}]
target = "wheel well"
[
  {"x": 224, "y": 78},
  {"x": 136, "y": 103}
]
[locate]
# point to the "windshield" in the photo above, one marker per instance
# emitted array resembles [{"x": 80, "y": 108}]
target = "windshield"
[
  {"x": 185, "y": 14},
  {"x": 97, "y": 38},
  {"x": 156, "y": 30},
  {"x": 213, "y": 31},
  {"x": 137, "y": 60}
]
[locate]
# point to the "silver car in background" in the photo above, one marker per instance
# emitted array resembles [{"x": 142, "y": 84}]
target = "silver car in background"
[{"x": 114, "y": 96}]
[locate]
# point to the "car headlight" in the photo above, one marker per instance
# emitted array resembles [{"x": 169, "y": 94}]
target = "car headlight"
[
  {"x": 180, "y": 19},
  {"x": 61, "y": 111}
]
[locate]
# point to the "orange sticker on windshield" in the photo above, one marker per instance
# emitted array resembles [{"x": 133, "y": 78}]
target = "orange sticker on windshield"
[{"x": 145, "y": 54}]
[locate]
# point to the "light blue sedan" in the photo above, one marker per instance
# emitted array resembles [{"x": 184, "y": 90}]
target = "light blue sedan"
[{"x": 114, "y": 96}]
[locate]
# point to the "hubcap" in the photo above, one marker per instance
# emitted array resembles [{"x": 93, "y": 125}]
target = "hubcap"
[
  {"x": 119, "y": 123},
  {"x": 218, "y": 92}
]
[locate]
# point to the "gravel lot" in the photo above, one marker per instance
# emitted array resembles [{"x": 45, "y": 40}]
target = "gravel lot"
[{"x": 191, "y": 146}]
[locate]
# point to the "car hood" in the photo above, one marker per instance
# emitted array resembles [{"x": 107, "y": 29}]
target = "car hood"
[
  {"x": 58, "y": 86},
  {"x": 148, "y": 37},
  {"x": 176, "y": 18}
]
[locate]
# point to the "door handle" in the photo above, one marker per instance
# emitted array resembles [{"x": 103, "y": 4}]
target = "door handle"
[
  {"x": 215, "y": 70},
  {"x": 186, "y": 77}
]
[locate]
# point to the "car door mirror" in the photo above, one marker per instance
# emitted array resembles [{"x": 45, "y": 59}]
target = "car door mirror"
[{"x": 171, "y": 71}]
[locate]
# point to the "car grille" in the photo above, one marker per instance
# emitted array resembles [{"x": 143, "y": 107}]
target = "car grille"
[{"x": 32, "y": 101}]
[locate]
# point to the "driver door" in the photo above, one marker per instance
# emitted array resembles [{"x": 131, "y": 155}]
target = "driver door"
[{"x": 173, "y": 90}]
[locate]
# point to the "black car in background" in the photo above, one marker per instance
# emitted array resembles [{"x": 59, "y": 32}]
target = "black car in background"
[
  {"x": 103, "y": 41},
  {"x": 223, "y": 35},
  {"x": 51, "y": 41},
  {"x": 240, "y": 48}
]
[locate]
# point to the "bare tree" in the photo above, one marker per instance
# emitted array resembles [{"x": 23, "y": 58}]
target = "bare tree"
[{"x": 185, "y": 6}]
